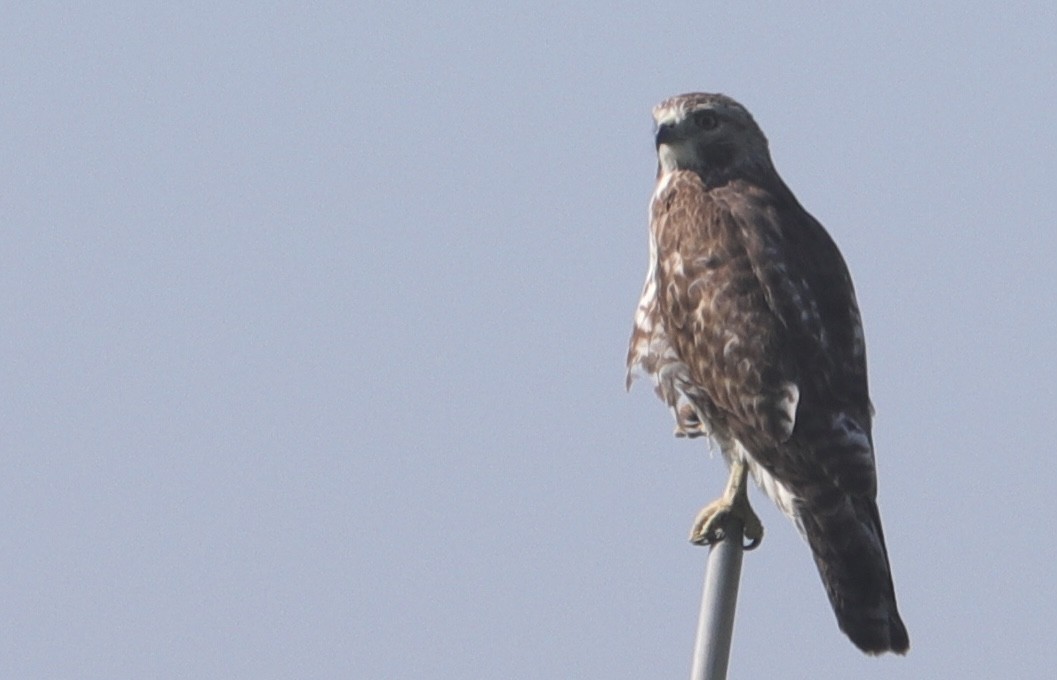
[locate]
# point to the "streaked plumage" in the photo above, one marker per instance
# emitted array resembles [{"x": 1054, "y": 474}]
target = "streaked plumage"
[{"x": 749, "y": 326}]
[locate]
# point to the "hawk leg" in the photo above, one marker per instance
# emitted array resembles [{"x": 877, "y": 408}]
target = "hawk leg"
[{"x": 709, "y": 524}]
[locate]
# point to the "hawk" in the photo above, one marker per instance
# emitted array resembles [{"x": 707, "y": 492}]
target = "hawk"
[{"x": 749, "y": 327}]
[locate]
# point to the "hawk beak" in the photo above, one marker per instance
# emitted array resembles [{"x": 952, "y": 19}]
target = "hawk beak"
[{"x": 666, "y": 134}]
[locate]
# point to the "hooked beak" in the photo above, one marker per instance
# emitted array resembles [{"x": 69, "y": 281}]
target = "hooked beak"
[{"x": 666, "y": 134}]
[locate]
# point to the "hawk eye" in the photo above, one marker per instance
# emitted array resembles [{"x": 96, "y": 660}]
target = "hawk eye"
[{"x": 706, "y": 120}]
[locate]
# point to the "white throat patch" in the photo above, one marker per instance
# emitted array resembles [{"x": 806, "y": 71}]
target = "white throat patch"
[{"x": 668, "y": 158}]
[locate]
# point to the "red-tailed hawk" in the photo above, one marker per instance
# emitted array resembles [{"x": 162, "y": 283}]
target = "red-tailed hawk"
[{"x": 749, "y": 326}]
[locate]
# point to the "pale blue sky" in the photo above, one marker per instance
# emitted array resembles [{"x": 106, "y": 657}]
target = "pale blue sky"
[{"x": 315, "y": 321}]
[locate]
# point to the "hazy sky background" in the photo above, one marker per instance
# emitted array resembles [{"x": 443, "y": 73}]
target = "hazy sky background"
[{"x": 314, "y": 324}]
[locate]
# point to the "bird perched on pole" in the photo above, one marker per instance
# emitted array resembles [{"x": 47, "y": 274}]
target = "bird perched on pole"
[{"x": 749, "y": 327}]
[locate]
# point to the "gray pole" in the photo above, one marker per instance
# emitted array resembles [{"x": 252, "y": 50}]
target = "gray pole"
[{"x": 715, "y": 625}]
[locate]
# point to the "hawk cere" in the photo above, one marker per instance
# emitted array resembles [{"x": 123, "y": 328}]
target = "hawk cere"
[{"x": 749, "y": 327}]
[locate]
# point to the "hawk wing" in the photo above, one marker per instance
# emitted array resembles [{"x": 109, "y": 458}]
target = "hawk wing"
[
  {"x": 758, "y": 304},
  {"x": 750, "y": 325}
]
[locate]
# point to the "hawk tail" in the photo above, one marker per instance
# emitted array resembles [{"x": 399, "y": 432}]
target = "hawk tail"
[{"x": 845, "y": 536}]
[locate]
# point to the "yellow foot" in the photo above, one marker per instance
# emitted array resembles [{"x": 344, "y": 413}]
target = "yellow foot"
[{"x": 709, "y": 526}]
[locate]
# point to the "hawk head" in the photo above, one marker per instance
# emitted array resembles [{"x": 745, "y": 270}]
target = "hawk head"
[{"x": 708, "y": 133}]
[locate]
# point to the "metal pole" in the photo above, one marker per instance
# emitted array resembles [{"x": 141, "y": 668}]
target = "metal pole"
[{"x": 715, "y": 625}]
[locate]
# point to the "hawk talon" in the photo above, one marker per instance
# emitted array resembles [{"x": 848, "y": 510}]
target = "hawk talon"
[{"x": 709, "y": 525}]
